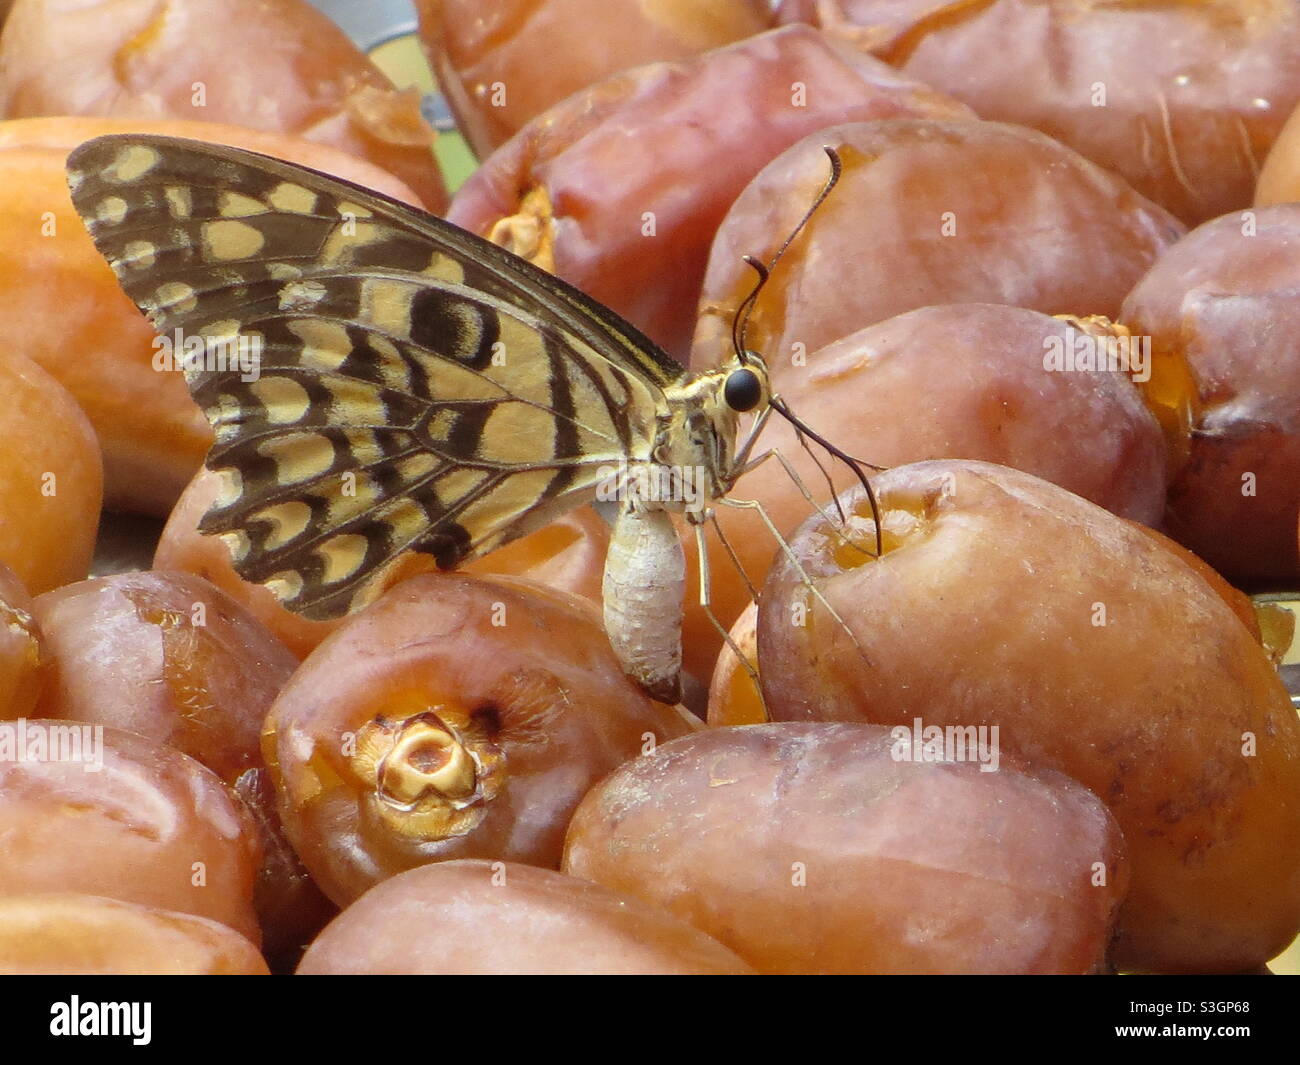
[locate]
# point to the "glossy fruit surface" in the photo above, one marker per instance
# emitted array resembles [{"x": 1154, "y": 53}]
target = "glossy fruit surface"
[
  {"x": 168, "y": 656},
  {"x": 1221, "y": 303},
  {"x": 113, "y": 813},
  {"x": 925, "y": 212},
  {"x": 479, "y": 918},
  {"x": 87, "y": 935},
  {"x": 51, "y": 475},
  {"x": 1098, "y": 652},
  {"x": 979, "y": 381},
  {"x": 817, "y": 848}
]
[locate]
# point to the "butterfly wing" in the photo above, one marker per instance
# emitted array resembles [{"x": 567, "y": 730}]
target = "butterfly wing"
[{"x": 378, "y": 380}]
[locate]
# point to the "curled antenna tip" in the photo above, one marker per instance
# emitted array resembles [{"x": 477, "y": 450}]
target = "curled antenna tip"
[{"x": 740, "y": 323}]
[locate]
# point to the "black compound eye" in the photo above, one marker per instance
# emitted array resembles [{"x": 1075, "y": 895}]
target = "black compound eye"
[{"x": 742, "y": 390}]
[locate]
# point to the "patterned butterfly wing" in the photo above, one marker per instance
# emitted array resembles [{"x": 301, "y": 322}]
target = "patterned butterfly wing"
[{"x": 416, "y": 387}]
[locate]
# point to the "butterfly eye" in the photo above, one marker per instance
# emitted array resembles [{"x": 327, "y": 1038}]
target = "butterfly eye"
[{"x": 743, "y": 390}]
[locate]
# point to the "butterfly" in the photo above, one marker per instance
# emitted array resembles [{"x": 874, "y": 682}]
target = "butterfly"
[{"x": 415, "y": 387}]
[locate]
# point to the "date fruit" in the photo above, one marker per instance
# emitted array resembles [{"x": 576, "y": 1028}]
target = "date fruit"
[
  {"x": 818, "y": 848},
  {"x": 496, "y": 64},
  {"x": 168, "y": 656},
  {"x": 925, "y": 212},
  {"x": 456, "y": 717},
  {"x": 620, "y": 188},
  {"x": 1181, "y": 99},
  {"x": 86, "y": 935},
  {"x": 978, "y": 381},
  {"x": 482, "y": 918},
  {"x": 1098, "y": 652},
  {"x": 103, "y": 811},
  {"x": 1221, "y": 304},
  {"x": 284, "y": 68}
]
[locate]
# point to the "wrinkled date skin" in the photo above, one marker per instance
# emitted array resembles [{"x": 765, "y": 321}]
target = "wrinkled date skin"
[
  {"x": 1004, "y": 600},
  {"x": 1222, "y": 302},
  {"x": 619, "y": 189},
  {"x": 1181, "y": 99},
  {"x": 976, "y": 381},
  {"x": 456, "y": 717},
  {"x": 477, "y": 918},
  {"x": 496, "y": 63},
  {"x": 150, "y": 825},
  {"x": 65, "y": 310},
  {"x": 283, "y": 68},
  {"x": 811, "y": 848},
  {"x": 51, "y": 475},
  {"x": 926, "y": 212},
  {"x": 568, "y": 554},
  {"x": 166, "y": 655},
  {"x": 85, "y": 935},
  {"x": 23, "y": 657}
]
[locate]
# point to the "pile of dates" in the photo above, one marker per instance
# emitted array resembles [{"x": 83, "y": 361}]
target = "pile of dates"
[{"x": 1014, "y": 711}]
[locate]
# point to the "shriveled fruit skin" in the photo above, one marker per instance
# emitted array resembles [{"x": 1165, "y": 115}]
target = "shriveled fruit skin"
[
  {"x": 283, "y": 68},
  {"x": 978, "y": 381},
  {"x": 167, "y": 655},
  {"x": 65, "y": 310},
  {"x": 568, "y": 554},
  {"x": 1004, "y": 600},
  {"x": 1181, "y": 99},
  {"x": 811, "y": 848},
  {"x": 496, "y": 64},
  {"x": 1222, "y": 302},
  {"x": 925, "y": 212},
  {"x": 619, "y": 188},
  {"x": 476, "y": 917},
  {"x": 87, "y": 935},
  {"x": 150, "y": 826},
  {"x": 457, "y": 717},
  {"x": 51, "y": 474},
  {"x": 23, "y": 657}
]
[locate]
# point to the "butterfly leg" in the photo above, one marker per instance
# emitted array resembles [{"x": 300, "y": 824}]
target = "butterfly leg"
[
  {"x": 740, "y": 462},
  {"x": 807, "y": 493},
  {"x": 697, "y": 521},
  {"x": 761, "y": 511}
]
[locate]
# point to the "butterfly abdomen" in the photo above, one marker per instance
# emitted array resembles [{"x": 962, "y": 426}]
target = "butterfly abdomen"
[{"x": 644, "y": 588}]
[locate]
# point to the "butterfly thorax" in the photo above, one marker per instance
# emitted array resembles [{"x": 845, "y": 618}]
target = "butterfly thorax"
[{"x": 696, "y": 439}]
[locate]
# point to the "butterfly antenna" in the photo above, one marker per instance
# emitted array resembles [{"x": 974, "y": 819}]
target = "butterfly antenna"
[
  {"x": 800, "y": 426},
  {"x": 740, "y": 323}
]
